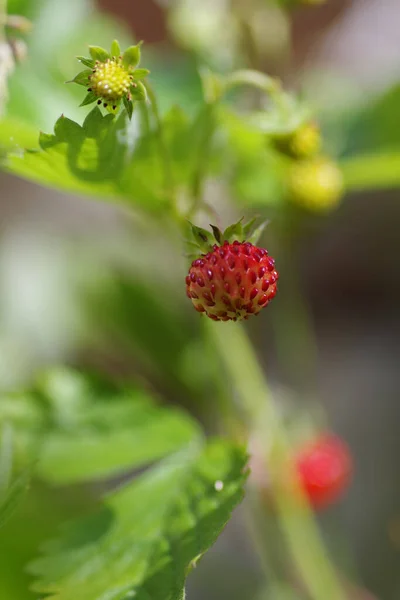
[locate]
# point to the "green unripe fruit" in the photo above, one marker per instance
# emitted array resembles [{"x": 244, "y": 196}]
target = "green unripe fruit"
[
  {"x": 302, "y": 143},
  {"x": 315, "y": 184},
  {"x": 110, "y": 81}
]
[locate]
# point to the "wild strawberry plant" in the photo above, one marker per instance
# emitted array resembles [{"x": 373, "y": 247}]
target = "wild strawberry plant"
[{"x": 167, "y": 491}]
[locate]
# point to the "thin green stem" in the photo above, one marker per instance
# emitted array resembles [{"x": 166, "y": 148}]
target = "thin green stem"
[
  {"x": 295, "y": 516},
  {"x": 6, "y": 457},
  {"x": 265, "y": 83},
  {"x": 169, "y": 185},
  {"x": 202, "y": 157}
]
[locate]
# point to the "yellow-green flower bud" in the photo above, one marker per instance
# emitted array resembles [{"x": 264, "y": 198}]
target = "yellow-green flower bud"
[
  {"x": 302, "y": 143},
  {"x": 315, "y": 184}
]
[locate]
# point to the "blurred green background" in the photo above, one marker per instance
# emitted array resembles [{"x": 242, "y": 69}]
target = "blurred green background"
[{"x": 77, "y": 277}]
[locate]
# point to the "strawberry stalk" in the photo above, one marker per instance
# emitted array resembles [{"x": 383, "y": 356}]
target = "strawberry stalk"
[{"x": 295, "y": 515}]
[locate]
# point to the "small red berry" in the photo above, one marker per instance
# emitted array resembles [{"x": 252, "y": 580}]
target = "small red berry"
[
  {"x": 232, "y": 282},
  {"x": 324, "y": 466}
]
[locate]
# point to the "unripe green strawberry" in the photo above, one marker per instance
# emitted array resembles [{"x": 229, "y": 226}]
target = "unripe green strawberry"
[
  {"x": 315, "y": 184},
  {"x": 304, "y": 142},
  {"x": 232, "y": 281},
  {"x": 112, "y": 77},
  {"x": 324, "y": 466}
]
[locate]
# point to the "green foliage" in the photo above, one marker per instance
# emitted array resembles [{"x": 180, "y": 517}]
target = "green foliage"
[
  {"x": 151, "y": 532},
  {"x": 13, "y": 495},
  {"x": 77, "y": 430}
]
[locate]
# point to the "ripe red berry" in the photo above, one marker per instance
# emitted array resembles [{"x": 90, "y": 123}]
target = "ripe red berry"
[
  {"x": 324, "y": 466},
  {"x": 232, "y": 282}
]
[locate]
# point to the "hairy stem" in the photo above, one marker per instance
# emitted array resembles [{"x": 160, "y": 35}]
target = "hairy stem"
[{"x": 295, "y": 516}]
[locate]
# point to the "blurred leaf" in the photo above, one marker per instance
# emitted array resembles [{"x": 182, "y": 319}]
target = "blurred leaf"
[
  {"x": 150, "y": 326},
  {"x": 13, "y": 496},
  {"x": 79, "y": 429},
  {"x": 104, "y": 157},
  {"x": 16, "y": 136},
  {"x": 372, "y": 129},
  {"x": 372, "y": 171},
  {"x": 256, "y": 173},
  {"x": 151, "y": 532}
]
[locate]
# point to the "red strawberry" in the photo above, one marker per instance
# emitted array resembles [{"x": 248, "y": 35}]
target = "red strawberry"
[
  {"x": 232, "y": 281},
  {"x": 324, "y": 466}
]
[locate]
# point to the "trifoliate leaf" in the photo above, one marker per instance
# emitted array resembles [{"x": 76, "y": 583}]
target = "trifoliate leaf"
[
  {"x": 84, "y": 430},
  {"x": 144, "y": 541},
  {"x": 98, "y": 53},
  {"x": 131, "y": 56}
]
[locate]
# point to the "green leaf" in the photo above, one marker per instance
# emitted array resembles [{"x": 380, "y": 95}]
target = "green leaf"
[
  {"x": 131, "y": 56},
  {"x": 144, "y": 541},
  {"x": 98, "y": 53},
  {"x": 90, "y": 431},
  {"x": 13, "y": 496},
  {"x": 128, "y": 106},
  {"x": 372, "y": 171},
  {"x": 88, "y": 62},
  {"x": 15, "y": 136},
  {"x": 115, "y": 48},
  {"x": 140, "y": 73},
  {"x": 112, "y": 160},
  {"x": 82, "y": 78}
]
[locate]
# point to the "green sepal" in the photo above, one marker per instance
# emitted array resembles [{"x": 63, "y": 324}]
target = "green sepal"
[
  {"x": 89, "y": 98},
  {"x": 248, "y": 227},
  {"x": 203, "y": 238},
  {"x": 217, "y": 233},
  {"x": 88, "y": 62},
  {"x": 98, "y": 53},
  {"x": 234, "y": 232},
  {"x": 140, "y": 73},
  {"x": 82, "y": 78},
  {"x": 138, "y": 92},
  {"x": 131, "y": 56},
  {"x": 128, "y": 106},
  {"x": 115, "y": 48},
  {"x": 256, "y": 234}
]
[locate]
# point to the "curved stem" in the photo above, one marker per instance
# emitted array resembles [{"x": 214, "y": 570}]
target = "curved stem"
[{"x": 295, "y": 516}]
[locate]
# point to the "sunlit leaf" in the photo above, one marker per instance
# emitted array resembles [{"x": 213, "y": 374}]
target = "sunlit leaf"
[{"x": 150, "y": 532}]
